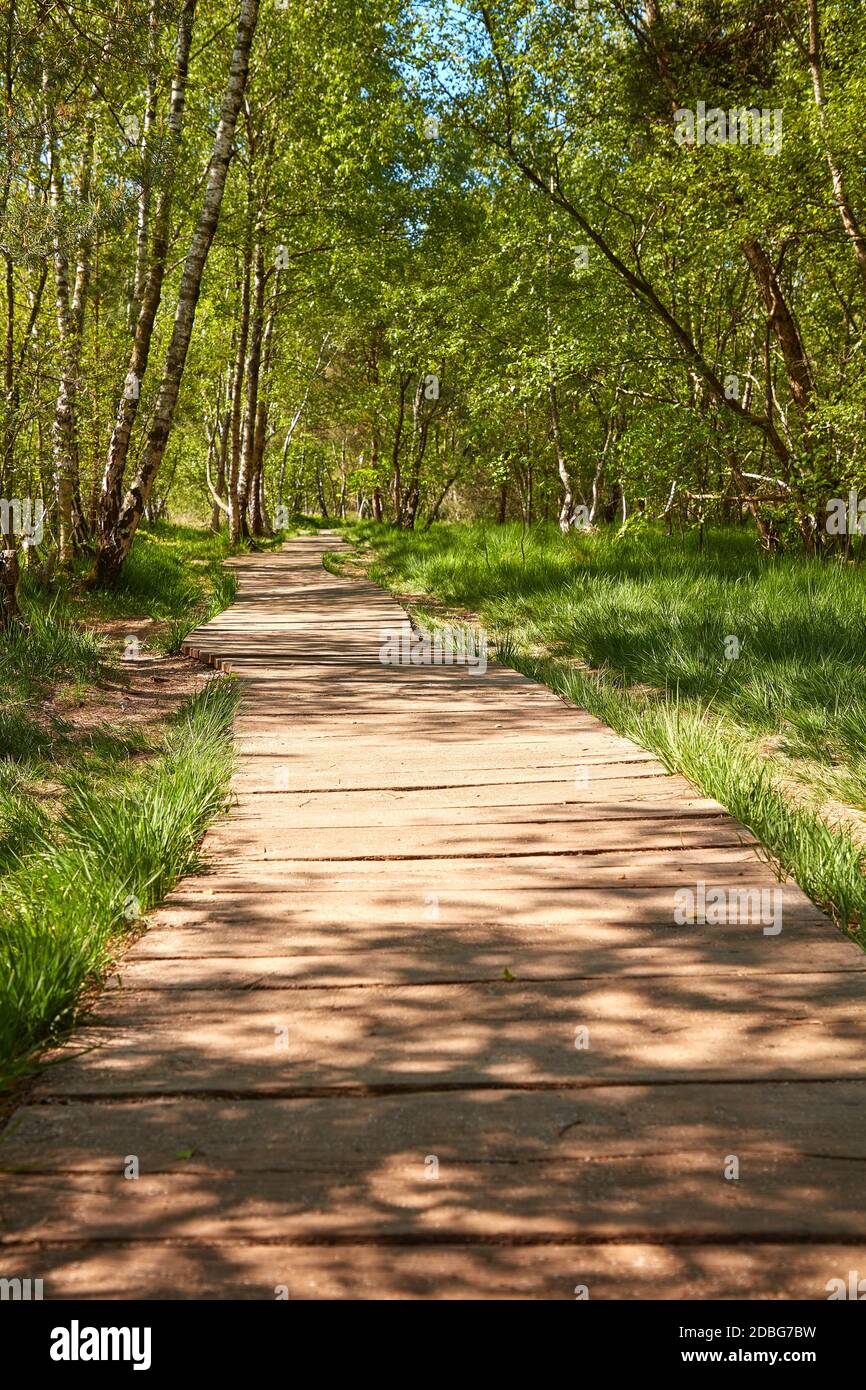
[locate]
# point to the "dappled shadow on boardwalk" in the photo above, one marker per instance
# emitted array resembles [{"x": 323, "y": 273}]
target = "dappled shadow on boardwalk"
[{"x": 425, "y": 1027}]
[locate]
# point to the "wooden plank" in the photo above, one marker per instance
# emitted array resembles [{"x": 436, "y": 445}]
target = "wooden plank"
[
  {"x": 415, "y": 878},
  {"x": 550, "y": 1164},
  {"x": 267, "y": 839},
  {"x": 671, "y": 1197},
  {"x": 511, "y": 1034},
  {"x": 245, "y": 1135},
  {"x": 545, "y": 1270},
  {"x": 455, "y": 957}
]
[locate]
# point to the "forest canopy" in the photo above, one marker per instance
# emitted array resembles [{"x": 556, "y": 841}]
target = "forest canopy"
[{"x": 597, "y": 262}]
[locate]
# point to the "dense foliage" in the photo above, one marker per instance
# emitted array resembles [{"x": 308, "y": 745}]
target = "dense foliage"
[{"x": 595, "y": 262}]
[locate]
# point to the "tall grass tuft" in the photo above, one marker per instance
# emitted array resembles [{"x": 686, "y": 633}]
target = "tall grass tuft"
[{"x": 47, "y": 647}]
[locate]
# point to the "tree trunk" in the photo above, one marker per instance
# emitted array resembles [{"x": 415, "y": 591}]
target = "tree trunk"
[
  {"x": 237, "y": 387},
  {"x": 9, "y": 574},
  {"x": 251, "y": 400},
  {"x": 149, "y": 298},
  {"x": 566, "y": 509},
  {"x": 13, "y": 368},
  {"x": 420, "y": 434},
  {"x": 566, "y": 506},
  {"x": 70, "y": 324},
  {"x": 344, "y": 480},
  {"x": 398, "y": 437},
  {"x": 219, "y": 504},
  {"x": 320, "y": 491},
  {"x": 846, "y": 212},
  {"x": 502, "y": 503},
  {"x": 142, "y": 228},
  {"x": 114, "y": 548},
  {"x": 259, "y": 521},
  {"x": 443, "y": 493},
  {"x": 781, "y": 322}
]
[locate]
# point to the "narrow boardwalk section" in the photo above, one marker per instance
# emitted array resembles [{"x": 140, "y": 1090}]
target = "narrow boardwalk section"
[{"x": 426, "y": 1026}]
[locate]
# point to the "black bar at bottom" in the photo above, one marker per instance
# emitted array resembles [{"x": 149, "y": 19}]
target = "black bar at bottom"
[{"x": 87, "y": 1339}]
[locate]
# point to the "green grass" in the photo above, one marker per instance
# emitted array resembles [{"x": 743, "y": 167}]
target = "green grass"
[
  {"x": 20, "y": 736},
  {"x": 92, "y": 819},
  {"x": 46, "y": 649},
  {"x": 174, "y": 577},
  {"x": 22, "y": 823},
  {"x": 636, "y": 629},
  {"x": 174, "y": 574},
  {"x": 85, "y": 879}
]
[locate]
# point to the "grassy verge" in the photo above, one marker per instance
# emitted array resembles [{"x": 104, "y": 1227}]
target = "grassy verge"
[
  {"x": 638, "y": 630},
  {"x": 69, "y": 641},
  {"x": 98, "y": 816},
  {"x": 91, "y": 875}
]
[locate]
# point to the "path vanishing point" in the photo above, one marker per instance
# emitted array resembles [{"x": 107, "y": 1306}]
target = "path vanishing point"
[{"x": 425, "y": 1026}]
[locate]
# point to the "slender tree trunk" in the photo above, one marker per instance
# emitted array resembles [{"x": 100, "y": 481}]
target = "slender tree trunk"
[
  {"x": 502, "y": 503},
  {"x": 846, "y": 213},
  {"x": 398, "y": 438},
  {"x": 376, "y": 501},
  {"x": 217, "y": 437},
  {"x": 69, "y": 320},
  {"x": 614, "y": 425},
  {"x": 114, "y": 548},
  {"x": 443, "y": 493},
  {"x": 420, "y": 435},
  {"x": 373, "y": 381},
  {"x": 150, "y": 297},
  {"x": 255, "y": 508},
  {"x": 10, "y": 394},
  {"x": 782, "y": 324},
  {"x": 282, "y": 483},
  {"x": 251, "y": 402},
  {"x": 13, "y": 368},
  {"x": 260, "y": 521},
  {"x": 320, "y": 491},
  {"x": 566, "y": 509},
  {"x": 81, "y": 286},
  {"x": 142, "y": 227},
  {"x": 237, "y": 403},
  {"x": 10, "y": 411},
  {"x": 9, "y": 569},
  {"x": 9, "y": 576},
  {"x": 219, "y": 503},
  {"x": 344, "y": 479}
]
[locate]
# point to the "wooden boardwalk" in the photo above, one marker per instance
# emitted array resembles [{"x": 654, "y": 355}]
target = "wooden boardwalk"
[{"x": 426, "y": 1027}]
